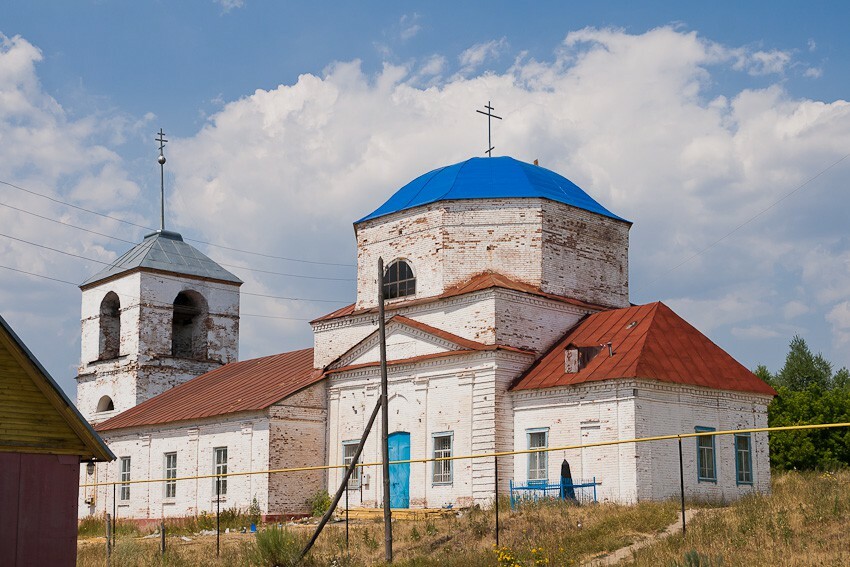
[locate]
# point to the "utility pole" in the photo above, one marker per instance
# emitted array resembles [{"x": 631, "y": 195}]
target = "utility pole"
[{"x": 388, "y": 518}]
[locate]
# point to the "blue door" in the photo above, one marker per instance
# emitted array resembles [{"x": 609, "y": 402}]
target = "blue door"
[{"x": 399, "y": 446}]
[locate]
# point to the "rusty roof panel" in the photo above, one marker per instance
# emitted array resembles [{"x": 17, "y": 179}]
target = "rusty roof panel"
[
  {"x": 649, "y": 341},
  {"x": 249, "y": 385}
]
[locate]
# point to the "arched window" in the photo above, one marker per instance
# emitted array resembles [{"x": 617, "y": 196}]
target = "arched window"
[
  {"x": 188, "y": 326},
  {"x": 110, "y": 327},
  {"x": 105, "y": 404},
  {"x": 399, "y": 280}
]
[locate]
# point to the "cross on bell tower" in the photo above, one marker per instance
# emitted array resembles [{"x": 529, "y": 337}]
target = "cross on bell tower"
[{"x": 161, "y": 159}]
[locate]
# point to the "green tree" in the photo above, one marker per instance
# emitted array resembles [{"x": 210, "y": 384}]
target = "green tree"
[
  {"x": 808, "y": 393},
  {"x": 802, "y": 368}
]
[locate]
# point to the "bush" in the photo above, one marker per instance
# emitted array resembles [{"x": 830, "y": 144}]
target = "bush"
[
  {"x": 274, "y": 547},
  {"x": 319, "y": 503}
]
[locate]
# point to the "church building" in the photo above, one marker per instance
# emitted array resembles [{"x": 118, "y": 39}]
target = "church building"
[{"x": 508, "y": 325}]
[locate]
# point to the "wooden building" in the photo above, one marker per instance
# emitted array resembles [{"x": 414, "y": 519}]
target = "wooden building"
[{"x": 43, "y": 440}]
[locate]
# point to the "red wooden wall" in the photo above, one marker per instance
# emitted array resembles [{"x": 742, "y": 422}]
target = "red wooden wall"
[{"x": 38, "y": 509}]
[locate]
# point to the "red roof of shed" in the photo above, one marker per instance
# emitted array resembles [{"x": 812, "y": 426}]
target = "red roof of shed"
[
  {"x": 248, "y": 385},
  {"x": 648, "y": 341}
]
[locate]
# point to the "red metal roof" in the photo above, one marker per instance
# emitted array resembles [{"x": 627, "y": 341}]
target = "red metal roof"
[
  {"x": 648, "y": 341},
  {"x": 479, "y": 282},
  {"x": 248, "y": 385}
]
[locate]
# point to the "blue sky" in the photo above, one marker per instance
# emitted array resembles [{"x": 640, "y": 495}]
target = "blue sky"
[{"x": 288, "y": 121}]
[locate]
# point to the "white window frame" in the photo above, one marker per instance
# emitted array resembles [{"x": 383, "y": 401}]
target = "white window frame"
[
  {"x": 219, "y": 467},
  {"x": 442, "y": 472},
  {"x": 538, "y": 463},
  {"x": 170, "y": 469},
  {"x": 354, "y": 479},
  {"x": 125, "y": 464}
]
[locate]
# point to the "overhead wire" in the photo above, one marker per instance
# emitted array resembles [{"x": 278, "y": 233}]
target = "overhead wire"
[
  {"x": 746, "y": 222},
  {"x": 155, "y": 303},
  {"x": 117, "y": 219},
  {"x": 162, "y": 275}
]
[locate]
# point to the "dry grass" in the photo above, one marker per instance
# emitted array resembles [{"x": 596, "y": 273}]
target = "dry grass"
[
  {"x": 543, "y": 534},
  {"x": 802, "y": 522}
]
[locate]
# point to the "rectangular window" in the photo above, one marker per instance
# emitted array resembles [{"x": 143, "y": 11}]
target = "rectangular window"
[
  {"x": 442, "y": 471},
  {"x": 125, "y": 477},
  {"x": 706, "y": 469},
  {"x": 349, "y": 448},
  {"x": 743, "y": 458},
  {"x": 220, "y": 468},
  {"x": 538, "y": 470},
  {"x": 170, "y": 474}
]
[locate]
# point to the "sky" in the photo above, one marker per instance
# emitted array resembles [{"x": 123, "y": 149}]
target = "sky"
[{"x": 721, "y": 130}]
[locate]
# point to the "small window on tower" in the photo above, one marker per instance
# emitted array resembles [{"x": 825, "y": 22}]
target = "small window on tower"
[
  {"x": 105, "y": 404},
  {"x": 399, "y": 280}
]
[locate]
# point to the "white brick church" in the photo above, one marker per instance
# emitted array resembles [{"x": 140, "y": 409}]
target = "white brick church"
[{"x": 509, "y": 327}]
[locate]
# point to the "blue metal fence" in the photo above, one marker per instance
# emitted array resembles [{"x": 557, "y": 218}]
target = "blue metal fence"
[{"x": 580, "y": 491}]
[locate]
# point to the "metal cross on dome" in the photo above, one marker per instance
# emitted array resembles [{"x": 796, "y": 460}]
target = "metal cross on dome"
[{"x": 489, "y": 114}]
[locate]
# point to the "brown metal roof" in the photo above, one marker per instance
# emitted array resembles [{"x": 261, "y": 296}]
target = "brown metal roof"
[
  {"x": 249, "y": 385},
  {"x": 648, "y": 341},
  {"x": 479, "y": 282}
]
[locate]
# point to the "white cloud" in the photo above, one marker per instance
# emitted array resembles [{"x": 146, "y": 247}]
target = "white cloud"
[
  {"x": 794, "y": 309},
  {"x": 813, "y": 73},
  {"x": 756, "y": 332},
  {"x": 759, "y": 63},
  {"x": 409, "y": 26},
  {"x": 627, "y": 117},
  {"x": 228, "y": 5},
  {"x": 475, "y": 56},
  {"x": 47, "y": 152},
  {"x": 839, "y": 318}
]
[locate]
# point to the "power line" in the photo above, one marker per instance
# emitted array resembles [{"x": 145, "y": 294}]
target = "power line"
[
  {"x": 90, "y": 211},
  {"x": 163, "y": 276},
  {"x": 151, "y": 302},
  {"x": 743, "y": 224}
]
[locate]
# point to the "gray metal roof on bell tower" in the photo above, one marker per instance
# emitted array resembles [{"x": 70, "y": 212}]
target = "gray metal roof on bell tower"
[{"x": 165, "y": 251}]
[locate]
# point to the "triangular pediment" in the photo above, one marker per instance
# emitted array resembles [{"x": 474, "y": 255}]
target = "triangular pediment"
[{"x": 406, "y": 339}]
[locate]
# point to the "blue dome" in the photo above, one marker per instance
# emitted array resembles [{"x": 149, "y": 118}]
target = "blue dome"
[{"x": 489, "y": 178}]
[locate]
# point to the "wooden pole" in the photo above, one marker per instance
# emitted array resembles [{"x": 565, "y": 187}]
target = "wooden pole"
[
  {"x": 217, "y": 516},
  {"x": 388, "y": 518},
  {"x": 496, "y": 476},
  {"x": 344, "y": 484},
  {"x": 682, "y": 484},
  {"x": 162, "y": 538},
  {"x": 108, "y": 537}
]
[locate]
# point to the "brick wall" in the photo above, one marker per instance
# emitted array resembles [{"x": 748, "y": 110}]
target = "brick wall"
[
  {"x": 145, "y": 367},
  {"x": 298, "y": 438},
  {"x": 561, "y": 249}
]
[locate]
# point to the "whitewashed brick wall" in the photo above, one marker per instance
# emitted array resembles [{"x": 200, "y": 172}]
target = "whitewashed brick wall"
[
  {"x": 561, "y": 249},
  {"x": 627, "y": 409},
  {"x": 246, "y": 437},
  {"x": 462, "y": 395},
  {"x": 492, "y": 316},
  {"x": 664, "y": 409},
  {"x": 145, "y": 367}
]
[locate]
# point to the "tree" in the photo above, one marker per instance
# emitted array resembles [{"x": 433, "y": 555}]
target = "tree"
[{"x": 808, "y": 393}]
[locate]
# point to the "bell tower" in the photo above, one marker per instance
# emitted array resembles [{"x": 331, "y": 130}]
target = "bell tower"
[{"x": 161, "y": 314}]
